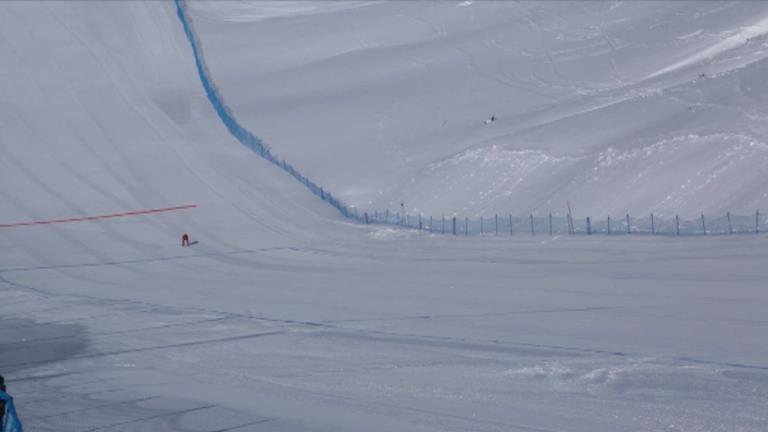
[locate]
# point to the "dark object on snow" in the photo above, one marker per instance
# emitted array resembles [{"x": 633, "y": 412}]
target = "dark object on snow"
[{"x": 184, "y": 242}]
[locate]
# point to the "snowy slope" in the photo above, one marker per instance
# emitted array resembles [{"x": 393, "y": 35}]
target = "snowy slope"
[
  {"x": 636, "y": 106},
  {"x": 286, "y": 317}
]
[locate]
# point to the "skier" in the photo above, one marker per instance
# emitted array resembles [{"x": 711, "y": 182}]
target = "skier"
[
  {"x": 184, "y": 240},
  {"x": 9, "y": 421}
]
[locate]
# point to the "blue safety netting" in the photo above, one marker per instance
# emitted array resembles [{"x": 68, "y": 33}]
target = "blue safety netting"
[{"x": 11, "y": 422}]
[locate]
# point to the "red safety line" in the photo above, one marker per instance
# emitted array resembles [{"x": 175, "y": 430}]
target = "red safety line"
[{"x": 107, "y": 216}]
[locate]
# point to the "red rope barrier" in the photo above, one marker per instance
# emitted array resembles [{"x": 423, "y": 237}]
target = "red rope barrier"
[{"x": 100, "y": 217}]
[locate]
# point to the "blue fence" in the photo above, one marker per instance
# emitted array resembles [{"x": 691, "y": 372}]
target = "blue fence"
[{"x": 506, "y": 225}]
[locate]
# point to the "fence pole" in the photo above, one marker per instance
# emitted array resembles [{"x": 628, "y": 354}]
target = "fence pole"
[
  {"x": 510, "y": 224},
  {"x": 430, "y": 224},
  {"x": 386, "y": 218},
  {"x": 454, "y": 225},
  {"x": 677, "y": 225},
  {"x": 730, "y": 225},
  {"x": 481, "y": 225},
  {"x": 550, "y": 225},
  {"x": 466, "y": 226},
  {"x": 757, "y": 221},
  {"x": 589, "y": 226},
  {"x": 443, "y": 225},
  {"x": 532, "y": 230},
  {"x": 497, "y": 224},
  {"x": 653, "y": 226},
  {"x": 419, "y": 221},
  {"x": 629, "y": 228},
  {"x": 366, "y": 218},
  {"x": 609, "y": 225},
  {"x": 703, "y": 225}
]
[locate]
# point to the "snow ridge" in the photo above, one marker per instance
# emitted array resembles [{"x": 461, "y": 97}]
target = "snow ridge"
[{"x": 242, "y": 134}]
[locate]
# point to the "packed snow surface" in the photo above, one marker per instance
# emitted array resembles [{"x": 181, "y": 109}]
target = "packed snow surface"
[{"x": 287, "y": 317}]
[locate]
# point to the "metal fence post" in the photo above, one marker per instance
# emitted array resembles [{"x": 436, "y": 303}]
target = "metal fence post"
[
  {"x": 510, "y": 224},
  {"x": 454, "y": 225},
  {"x": 466, "y": 226},
  {"x": 481, "y": 225},
  {"x": 533, "y": 232},
  {"x": 730, "y": 224},
  {"x": 609, "y": 225},
  {"x": 653, "y": 226},
  {"x": 550, "y": 225},
  {"x": 589, "y": 226},
  {"x": 629, "y": 227},
  {"x": 497, "y": 224},
  {"x": 757, "y": 221},
  {"x": 703, "y": 225},
  {"x": 677, "y": 225},
  {"x": 420, "y": 222}
]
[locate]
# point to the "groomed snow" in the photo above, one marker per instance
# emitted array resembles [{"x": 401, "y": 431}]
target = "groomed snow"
[{"x": 287, "y": 317}]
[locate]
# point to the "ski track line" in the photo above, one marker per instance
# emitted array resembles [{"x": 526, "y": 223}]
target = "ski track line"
[{"x": 100, "y": 217}]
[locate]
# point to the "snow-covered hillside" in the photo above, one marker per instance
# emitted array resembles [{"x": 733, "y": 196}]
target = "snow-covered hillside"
[
  {"x": 618, "y": 107},
  {"x": 286, "y": 316}
]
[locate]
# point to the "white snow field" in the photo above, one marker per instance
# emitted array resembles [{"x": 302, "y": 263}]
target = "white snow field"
[
  {"x": 286, "y": 316},
  {"x": 618, "y": 107}
]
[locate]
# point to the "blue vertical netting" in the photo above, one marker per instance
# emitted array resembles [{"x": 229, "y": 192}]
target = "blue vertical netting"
[{"x": 243, "y": 135}]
